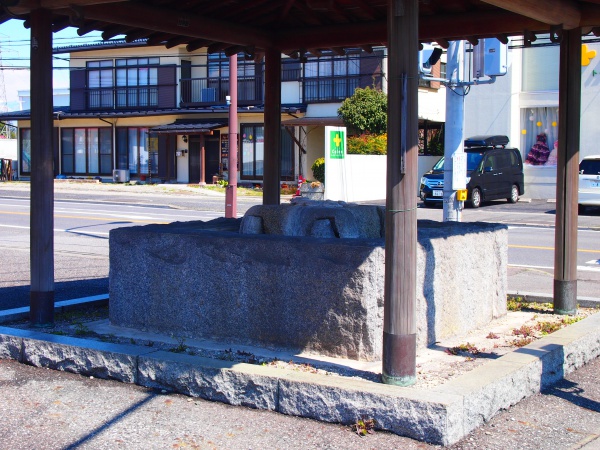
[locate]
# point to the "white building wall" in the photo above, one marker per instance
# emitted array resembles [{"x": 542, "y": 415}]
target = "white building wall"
[
  {"x": 496, "y": 108},
  {"x": 8, "y": 149}
]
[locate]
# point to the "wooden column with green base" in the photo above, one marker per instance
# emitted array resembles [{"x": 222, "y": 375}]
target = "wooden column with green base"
[
  {"x": 399, "y": 321},
  {"x": 567, "y": 173}
]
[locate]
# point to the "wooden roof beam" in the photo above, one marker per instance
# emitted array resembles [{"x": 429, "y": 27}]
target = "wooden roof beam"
[
  {"x": 137, "y": 15},
  {"x": 60, "y": 23},
  {"x": 88, "y": 27},
  {"x": 111, "y": 32},
  {"x": 446, "y": 27},
  {"x": 590, "y": 14},
  {"x": 134, "y": 35},
  {"x": 174, "y": 42},
  {"x": 286, "y": 9},
  {"x": 158, "y": 38},
  {"x": 554, "y": 12},
  {"x": 197, "y": 44},
  {"x": 26, "y": 6}
]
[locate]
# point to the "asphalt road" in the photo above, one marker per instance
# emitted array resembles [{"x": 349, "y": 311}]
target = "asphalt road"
[{"x": 84, "y": 214}]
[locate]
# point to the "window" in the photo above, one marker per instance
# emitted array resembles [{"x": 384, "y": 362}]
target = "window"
[
  {"x": 137, "y": 79},
  {"x": 132, "y": 151},
  {"x": 25, "y": 150},
  {"x": 86, "y": 151},
  {"x": 218, "y": 66},
  {"x": 253, "y": 153},
  {"x": 291, "y": 70},
  {"x": 540, "y": 68},
  {"x": 537, "y": 123},
  {"x": 129, "y": 83},
  {"x": 217, "y": 85},
  {"x": 100, "y": 84},
  {"x": 331, "y": 77}
]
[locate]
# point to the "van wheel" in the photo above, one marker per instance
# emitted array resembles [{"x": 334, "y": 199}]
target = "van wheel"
[
  {"x": 514, "y": 194},
  {"x": 476, "y": 198}
]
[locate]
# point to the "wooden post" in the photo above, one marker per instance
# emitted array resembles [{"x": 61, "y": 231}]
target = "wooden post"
[
  {"x": 272, "y": 173},
  {"x": 42, "y": 173},
  {"x": 399, "y": 316},
  {"x": 567, "y": 172},
  {"x": 231, "y": 190}
]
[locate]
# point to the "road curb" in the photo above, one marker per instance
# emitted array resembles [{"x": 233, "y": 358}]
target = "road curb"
[{"x": 442, "y": 415}]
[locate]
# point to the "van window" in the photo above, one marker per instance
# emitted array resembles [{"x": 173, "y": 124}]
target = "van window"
[
  {"x": 473, "y": 160},
  {"x": 503, "y": 159},
  {"x": 490, "y": 162},
  {"x": 590, "y": 166}
]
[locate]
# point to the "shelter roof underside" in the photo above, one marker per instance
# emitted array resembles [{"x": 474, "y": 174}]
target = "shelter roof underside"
[{"x": 297, "y": 27}]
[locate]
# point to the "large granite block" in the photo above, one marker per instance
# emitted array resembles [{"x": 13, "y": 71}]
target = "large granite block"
[{"x": 322, "y": 295}]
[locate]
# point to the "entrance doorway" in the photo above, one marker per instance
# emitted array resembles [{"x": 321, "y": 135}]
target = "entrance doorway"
[{"x": 211, "y": 157}]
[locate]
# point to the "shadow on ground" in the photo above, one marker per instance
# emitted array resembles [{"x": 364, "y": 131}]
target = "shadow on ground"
[{"x": 18, "y": 296}]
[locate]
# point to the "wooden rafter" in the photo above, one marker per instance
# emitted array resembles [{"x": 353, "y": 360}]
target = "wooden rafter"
[
  {"x": 178, "y": 23},
  {"x": 555, "y": 12}
]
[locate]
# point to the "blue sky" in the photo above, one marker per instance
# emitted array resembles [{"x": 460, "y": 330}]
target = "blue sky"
[{"x": 14, "y": 44}]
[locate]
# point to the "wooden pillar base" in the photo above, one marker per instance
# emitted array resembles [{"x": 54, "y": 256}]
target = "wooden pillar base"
[
  {"x": 565, "y": 297},
  {"x": 399, "y": 359},
  {"x": 41, "y": 310}
]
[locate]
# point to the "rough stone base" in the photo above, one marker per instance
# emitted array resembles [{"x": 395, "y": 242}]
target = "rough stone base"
[
  {"x": 322, "y": 295},
  {"x": 442, "y": 415}
]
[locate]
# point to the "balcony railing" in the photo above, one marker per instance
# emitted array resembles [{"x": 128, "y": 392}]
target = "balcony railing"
[
  {"x": 123, "y": 97},
  {"x": 205, "y": 91},
  {"x": 338, "y": 88}
]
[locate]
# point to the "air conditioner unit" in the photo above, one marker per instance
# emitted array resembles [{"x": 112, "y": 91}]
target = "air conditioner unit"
[
  {"x": 208, "y": 95},
  {"x": 121, "y": 175}
]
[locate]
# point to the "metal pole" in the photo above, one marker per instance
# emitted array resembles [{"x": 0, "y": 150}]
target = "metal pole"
[
  {"x": 42, "y": 173},
  {"x": 202, "y": 160},
  {"x": 399, "y": 316},
  {"x": 231, "y": 190},
  {"x": 567, "y": 173},
  {"x": 453, "y": 137},
  {"x": 271, "y": 189}
]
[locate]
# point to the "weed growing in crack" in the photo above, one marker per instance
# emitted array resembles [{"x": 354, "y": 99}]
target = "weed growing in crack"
[
  {"x": 362, "y": 427},
  {"x": 181, "y": 346}
]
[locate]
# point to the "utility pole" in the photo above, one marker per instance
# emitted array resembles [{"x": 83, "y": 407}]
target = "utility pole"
[{"x": 453, "y": 138}]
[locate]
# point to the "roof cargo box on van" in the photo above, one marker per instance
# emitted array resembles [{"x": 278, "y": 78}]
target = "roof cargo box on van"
[{"x": 486, "y": 141}]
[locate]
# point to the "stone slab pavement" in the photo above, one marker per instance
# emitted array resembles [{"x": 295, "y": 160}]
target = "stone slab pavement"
[
  {"x": 444, "y": 415},
  {"x": 52, "y": 409}
]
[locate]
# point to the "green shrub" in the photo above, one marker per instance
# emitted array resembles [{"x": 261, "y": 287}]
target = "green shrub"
[
  {"x": 318, "y": 169},
  {"x": 365, "y": 111},
  {"x": 368, "y": 144}
]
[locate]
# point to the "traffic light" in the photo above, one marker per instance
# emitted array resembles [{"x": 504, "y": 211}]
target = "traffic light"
[{"x": 428, "y": 57}]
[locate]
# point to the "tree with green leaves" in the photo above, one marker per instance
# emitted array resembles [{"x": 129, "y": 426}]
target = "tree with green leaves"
[{"x": 365, "y": 111}]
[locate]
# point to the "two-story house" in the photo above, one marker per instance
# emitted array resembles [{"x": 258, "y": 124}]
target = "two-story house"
[{"x": 162, "y": 112}]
